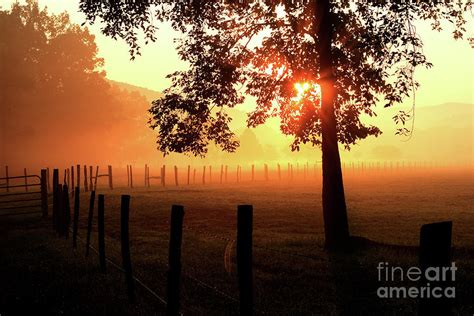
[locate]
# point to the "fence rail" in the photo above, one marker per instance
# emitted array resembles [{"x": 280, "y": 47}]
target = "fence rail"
[{"x": 22, "y": 200}]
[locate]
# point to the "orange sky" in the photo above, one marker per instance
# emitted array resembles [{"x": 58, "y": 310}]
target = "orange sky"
[
  {"x": 440, "y": 130},
  {"x": 450, "y": 80}
]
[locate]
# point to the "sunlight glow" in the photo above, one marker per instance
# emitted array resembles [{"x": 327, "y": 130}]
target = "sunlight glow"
[{"x": 306, "y": 89}]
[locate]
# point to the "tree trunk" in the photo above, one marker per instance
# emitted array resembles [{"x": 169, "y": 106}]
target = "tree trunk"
[{"x": 334, "y": 205}]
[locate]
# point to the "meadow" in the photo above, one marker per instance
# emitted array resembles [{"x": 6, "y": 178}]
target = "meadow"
[{"x": 293, "y": 274}]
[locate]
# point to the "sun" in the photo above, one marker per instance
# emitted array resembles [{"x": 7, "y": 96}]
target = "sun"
[{"x": 305, "y": 90}]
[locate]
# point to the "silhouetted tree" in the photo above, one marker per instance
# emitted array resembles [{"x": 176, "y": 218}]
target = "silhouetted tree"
[
  {"x": 54, "y": 94},
  {"x": 356, "y": 52}
]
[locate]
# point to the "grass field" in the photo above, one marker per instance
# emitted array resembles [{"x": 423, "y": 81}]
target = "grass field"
[{"x": 293, "y": 274}]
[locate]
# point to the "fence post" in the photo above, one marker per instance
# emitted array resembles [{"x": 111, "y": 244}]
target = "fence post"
[
  {"x": 253, "y": 172},
  {"x": 68, "y": 176},
  {"x": 78, "y": 173},
  {"x": 47, "y": 179},
  {"x": 174, "y": 260},
  {"x": 204, "y": 175},
  {"x": 44, "y": 193},
  {"x": 91, "y": 187},
  {"x": 435, "y": 252},
  {"x": 101, "y": 230},
  {"x": 176, "y": 175},
  {"x": 125, "y": 243},
  {"x": 222, "y": 173},
  {"x": 111, "y": 185},
  {"x": 89, "y": 221},
  {"x": 225, "y": 174},
  {"x": 194, "y": 176},
  {"x": 163, "y": 175},
  {"x": 131, "y": 176},
  {"x": 6, "y": 176},
  {"x": 128, "y": 176},
  {"x": 86, "y": 184},
  {"x": 189, "y": 174},
  {"x": 76, "y": 217},
  {"x": 56, "y": 198},
  {"x": 66, "y": 216},
  {"x": 26, "y": 180},
  {"x": 148, "y": 176},
  {"x": 145, "y": 175},
  {"x": 279, "y": 172},
  {"x": 59, "y": 211},
  {"x": 72, "y": 177},
  {"x": 244, "y": 258},
  {"x": 96, "y": 177}
]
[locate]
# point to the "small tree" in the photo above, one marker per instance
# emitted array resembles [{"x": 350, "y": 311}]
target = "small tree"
[{"x": 317, "y": 64}]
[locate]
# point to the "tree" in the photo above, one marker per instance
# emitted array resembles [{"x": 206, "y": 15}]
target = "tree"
[
  {"x": 341, "y": 57},
  {"x": 53, "y": 92}
]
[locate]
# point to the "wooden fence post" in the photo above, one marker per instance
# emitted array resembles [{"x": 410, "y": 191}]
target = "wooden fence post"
[
  {"x": 60, "y": 211},
  {"x": 279, "y": 172},
  {"x": 96, "y": 177},
  {"x": 6, "y": 176},
  {"x": 47, "y": 178},
  {"x": 44, "y": 193},
  {"x": 125, "y": 246},
  {"x": 72, "y": 177},
  {"x": 225, "y": 177},
  {"x": 101, "y": 231},
  {"x": 68, "y": 175},
  {"x": 176, "y": 175},
  {"x": 253, "y": 172},
  {"x": 78, "y": 173},
  {"x": 435, "y": 252},
  {"x": 86, "y": 184},
  {"x": 66, "y": 217},
  {"x": 128, "y": 176},
  {"x": 89, "y": 221},
  {"x": 194, "y": 176},
  {"x": 91, "y": 187},
  {"x": 26, "y": 179},
  {"x": 56, "y": 198},
  {"x": 146, "y": 175},
  {"x": 244, "y": 258},
  {"x": 210, "y": 174},
  {"x": 76, "y": 217},
  {"x": 111, "y": 183},
  {"x": 222, "y": 173},
  {"x": 204, "y": 175},
  {"x": 189, "y": 174},
  {"x": 174, "y": 260},
  {"x": 131, "y": 176},
  {"x": 163, "y": 175}
]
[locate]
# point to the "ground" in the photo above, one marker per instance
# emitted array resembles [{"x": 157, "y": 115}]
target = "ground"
[{"x": 293, "y": 273}]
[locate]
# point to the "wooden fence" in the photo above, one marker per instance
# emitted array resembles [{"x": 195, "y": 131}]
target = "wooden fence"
[{"x": 435, "y": 247}]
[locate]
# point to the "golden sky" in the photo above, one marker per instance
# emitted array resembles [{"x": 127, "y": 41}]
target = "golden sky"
[{"x": 450, "y": 80}]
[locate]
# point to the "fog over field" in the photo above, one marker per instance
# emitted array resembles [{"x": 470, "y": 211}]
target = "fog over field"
[{"x": 88, "y": 135}]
